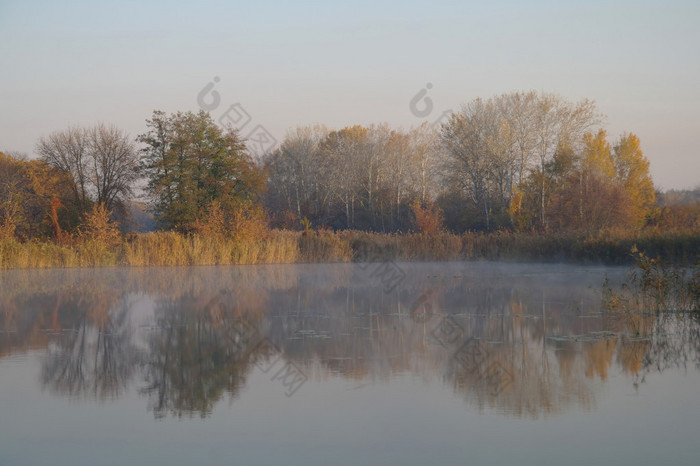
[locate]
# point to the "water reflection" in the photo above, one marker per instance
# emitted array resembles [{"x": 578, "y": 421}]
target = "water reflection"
[
  {"x": 527, "y": 340},
  {"x": 196, "y": 353},
  {"x": 93, "y": 352}
]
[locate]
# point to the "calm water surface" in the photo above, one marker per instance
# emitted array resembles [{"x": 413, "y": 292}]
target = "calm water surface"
[{"x": 397, "y": 364}]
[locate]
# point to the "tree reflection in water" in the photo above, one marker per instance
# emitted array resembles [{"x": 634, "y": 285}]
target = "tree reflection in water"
[
  {"x": 94, "y": 354},
  {"x": 526, "y": 346},
  {"x": 198, "y": 351}
]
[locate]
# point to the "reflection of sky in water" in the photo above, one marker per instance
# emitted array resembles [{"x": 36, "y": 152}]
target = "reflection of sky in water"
[{"x": 509, "y": 362}]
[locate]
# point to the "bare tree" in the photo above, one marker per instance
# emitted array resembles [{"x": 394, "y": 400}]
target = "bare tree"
[
  {"x": 469, "y": 162},
  {"x": 425, "y": 152},
  {"x": 101, "y": 161},
  {"x": 297, "y": 171},
  {"x": 114, "y": 165},
  {"x": 492, "y": 143},
  {"x": 558, "y": 123},
  {"x": 355, "y": 177},
  {"x": 68, "y": 151},
  {"x": 519, "y": 109}
]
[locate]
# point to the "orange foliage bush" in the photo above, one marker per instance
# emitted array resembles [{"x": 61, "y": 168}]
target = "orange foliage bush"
[{"x": 428, "y": 219}]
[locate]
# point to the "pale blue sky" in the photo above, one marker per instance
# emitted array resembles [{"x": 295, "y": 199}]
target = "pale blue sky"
[{"x": 292, "y": 63}]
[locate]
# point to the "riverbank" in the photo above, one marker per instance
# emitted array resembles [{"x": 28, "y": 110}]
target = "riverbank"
[{"x": 282, "y": 246}]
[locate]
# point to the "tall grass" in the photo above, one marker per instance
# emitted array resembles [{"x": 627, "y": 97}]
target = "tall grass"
[
  {"x": 654, "y": 285},
  {"x": 283, "y": 246},
  {"x": 168, "y": 248}
]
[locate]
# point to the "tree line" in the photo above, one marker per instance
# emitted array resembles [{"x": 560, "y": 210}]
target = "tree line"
[{"x": 521, "y": 161}]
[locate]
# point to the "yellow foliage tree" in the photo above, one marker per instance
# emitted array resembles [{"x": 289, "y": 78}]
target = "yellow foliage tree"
[
  {"x": 632, "y": 173},
  {"x": 520, "y": 216},
  {"x": 597, "y": 156}
]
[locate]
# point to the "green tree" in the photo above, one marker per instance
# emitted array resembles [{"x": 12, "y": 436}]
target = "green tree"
[{"x": 190, "y": 162}]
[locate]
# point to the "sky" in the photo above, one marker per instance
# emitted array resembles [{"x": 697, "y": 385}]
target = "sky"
[{"x": 275, "y": 65}]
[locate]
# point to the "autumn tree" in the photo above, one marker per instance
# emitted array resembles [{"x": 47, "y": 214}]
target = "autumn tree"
[
  {"x": 603, "y": 187},
  {"x": 632, "y": 173},
  {"x": 35, "y": 198},
  {"x": 190, "y": 163},
  {"x": 13, "y": 184},
  {"x": 505, "y": 145},
  {"x": 597, "y": 158},
  {"x": 523, "y": 160},
  {"x": 560, "y": 171},
  {"x": 595, "y": 204},
  {"x": 428, "y": 218}
]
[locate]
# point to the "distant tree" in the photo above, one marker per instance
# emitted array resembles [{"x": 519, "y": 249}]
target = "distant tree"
[
  {"x": 674, "y": 197},
  {"x": 190, "y": 162}
]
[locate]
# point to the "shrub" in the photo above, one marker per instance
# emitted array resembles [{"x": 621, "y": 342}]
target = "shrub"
[{"x": 428, "y": 219}]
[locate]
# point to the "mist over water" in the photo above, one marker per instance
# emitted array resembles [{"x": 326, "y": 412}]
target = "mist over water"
[{"x": 402, "y": 363}]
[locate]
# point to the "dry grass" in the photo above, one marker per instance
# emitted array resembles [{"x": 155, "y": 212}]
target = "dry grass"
[
  {"x": 656, "y": 286},
  {"x": 168, "y": 248},
  {"x": 283, "y": 246}
]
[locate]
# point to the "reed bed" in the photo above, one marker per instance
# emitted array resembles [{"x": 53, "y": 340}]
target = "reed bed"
[{"x": 283, "y": 246}]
